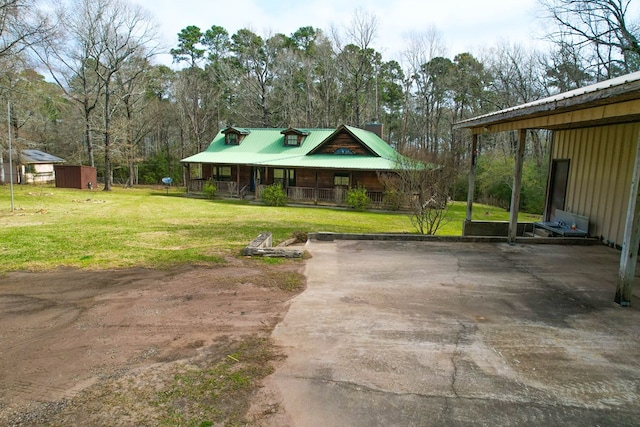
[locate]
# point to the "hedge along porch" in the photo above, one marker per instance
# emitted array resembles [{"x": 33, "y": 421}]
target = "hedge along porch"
[
  {"x": 313, "y": 165},
  {"x": 594, "y": 165}
]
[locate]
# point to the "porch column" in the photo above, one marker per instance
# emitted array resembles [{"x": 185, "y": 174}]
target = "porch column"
[
  {"x": 517, "y": 184},
  {"x": 472, "y": 175},
  {"x": 631, "y": 240},
  {"x": 238, "y": 180},
  {"x": 254, "y": 180},
  {"x": 315, "y": 190},
  {"x": 187, "y": 177}
]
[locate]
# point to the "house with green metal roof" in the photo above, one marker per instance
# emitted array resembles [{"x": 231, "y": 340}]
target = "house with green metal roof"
[{"x": 313, "y": 165}]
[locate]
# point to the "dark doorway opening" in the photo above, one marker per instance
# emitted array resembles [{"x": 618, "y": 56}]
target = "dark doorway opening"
[{"x": 558, "y": 187}]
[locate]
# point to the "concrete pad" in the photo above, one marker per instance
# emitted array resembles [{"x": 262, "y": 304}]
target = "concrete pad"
[{"x": 454, "y": 333}]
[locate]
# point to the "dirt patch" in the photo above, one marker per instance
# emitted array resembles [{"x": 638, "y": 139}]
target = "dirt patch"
[{"x": 131, "y": 347}]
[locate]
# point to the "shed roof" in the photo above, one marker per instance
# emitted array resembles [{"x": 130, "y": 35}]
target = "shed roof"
[
  {"x": 265, "y": 146},
  {"x": 610, "y": 101},
  {"x": 37, "y": 156}
]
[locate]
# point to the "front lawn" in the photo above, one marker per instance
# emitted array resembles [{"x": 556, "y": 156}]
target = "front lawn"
[{"x": 146, "y": 227}]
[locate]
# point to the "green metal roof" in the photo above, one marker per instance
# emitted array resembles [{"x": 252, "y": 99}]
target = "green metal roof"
[{"x": 265, "y": 146}]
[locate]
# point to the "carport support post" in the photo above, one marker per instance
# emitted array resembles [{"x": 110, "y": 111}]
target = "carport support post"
[
  {"x": 631, "y": 240},
  {"x": 517, "y": 183},
  {"x": 472, "y": 175}
]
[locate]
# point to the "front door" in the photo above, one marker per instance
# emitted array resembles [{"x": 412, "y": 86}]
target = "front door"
[
  {"x": 257, "y": 175},
  {"x": 558, "y": 187}
]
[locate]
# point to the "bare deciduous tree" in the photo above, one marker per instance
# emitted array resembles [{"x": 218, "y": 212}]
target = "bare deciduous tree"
[
  {"x": 66, "y": 57},
  {"x": 423, "y": 187},
  {"x": 94, "y": 40},
  {"x": 604, "y": 26},
  {"x": 22, "y": 24},
  {"x": 426, "y": 82},
  {"x": 123, "y": 32},
  {"x": 357, "y": 58}
]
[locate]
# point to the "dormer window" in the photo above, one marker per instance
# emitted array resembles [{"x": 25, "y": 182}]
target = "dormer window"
[
  {"x": 291, "y": 139},
  {"x": 232, "y": 139},
  {"x": 294, "y": 137},
  {"x": 234, "y": 136}
]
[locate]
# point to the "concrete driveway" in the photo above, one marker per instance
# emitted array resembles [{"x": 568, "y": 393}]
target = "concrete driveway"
[{"x": 455, "y": 334}]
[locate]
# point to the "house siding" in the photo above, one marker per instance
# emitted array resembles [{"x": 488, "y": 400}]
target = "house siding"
[
  {"x": 305, "y": 178},
  {"x": 594, "y": 189},
  {"x": 343, "y": 140}
]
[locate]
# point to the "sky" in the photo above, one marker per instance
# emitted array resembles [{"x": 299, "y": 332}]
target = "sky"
[{"x": 463, "y": 25}]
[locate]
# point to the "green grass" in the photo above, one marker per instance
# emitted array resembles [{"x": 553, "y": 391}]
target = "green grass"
[
  {"x": 146, "y": 227},
  {"x": 216, "y": 393}
]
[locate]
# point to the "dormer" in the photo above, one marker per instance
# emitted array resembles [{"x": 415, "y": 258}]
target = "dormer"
[
  {"x": 294, "y": 137},
  {"x": 234, "y": 135}
]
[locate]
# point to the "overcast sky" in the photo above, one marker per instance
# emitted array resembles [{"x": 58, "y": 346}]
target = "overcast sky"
[{"x": 464, "y": 25}]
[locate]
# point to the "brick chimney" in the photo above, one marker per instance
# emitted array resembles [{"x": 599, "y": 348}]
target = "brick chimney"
[{"x": 375, "y": 127}]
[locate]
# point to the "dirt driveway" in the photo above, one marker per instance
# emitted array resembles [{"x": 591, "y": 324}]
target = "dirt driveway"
[{"x": 103, "y": 348}]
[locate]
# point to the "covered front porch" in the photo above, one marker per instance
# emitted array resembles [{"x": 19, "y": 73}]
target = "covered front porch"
[{"x": 312, "y": 186}]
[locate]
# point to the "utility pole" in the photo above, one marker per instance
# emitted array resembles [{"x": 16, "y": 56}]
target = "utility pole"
[{"x": 10, "y": 153}]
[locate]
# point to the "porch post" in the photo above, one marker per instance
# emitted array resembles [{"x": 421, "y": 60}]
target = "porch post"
[
  {"x": 315, "y": 190},
  {"x": 188, "y": 177},
  {"x": 517, "y": 183},
  {"x": 472, "y": 175},
  {"x": 631, "y": 240},
  {"x": 238, "y": 180}
]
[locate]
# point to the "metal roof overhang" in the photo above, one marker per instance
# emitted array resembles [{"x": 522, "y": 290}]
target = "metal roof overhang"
[
  {"x": 609, "y": 102},
  {"x": 317, "y": 161}
]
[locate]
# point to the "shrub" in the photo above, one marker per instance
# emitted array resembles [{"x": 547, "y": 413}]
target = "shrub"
[
  {"x": 357, "y": 198},
  {"x": 274, "y": 195},
  {"x": 393, "y": 200},
  {"x": 430, "y": 212},
  {"x": 209, "y": 190}
]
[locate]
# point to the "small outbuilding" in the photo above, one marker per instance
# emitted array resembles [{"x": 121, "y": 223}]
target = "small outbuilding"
[
  {"x": 76, "y": 176},
  {"x": 34, "y": 167},
  {"x": 594, "y": 166}
]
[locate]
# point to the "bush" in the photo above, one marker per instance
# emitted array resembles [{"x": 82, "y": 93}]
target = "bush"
[
  {"x": 209, "y": 190},
  {"x": 393, "y": 200},
  {"x": 274, "y": 195},
  {"x": 357, "y": 198}
]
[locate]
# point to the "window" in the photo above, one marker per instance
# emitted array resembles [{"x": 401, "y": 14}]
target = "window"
[
  {"x": 294, "y": 137},
  {"x": 279, "y": 176},
  {"x": 232, "y": 139},
  {"x": 223, "y": 173},
  {"x": 342, "y": 150},
  {"x": 196, "y": 171},
  {"x": 341, "y": 180},
  {"x": 291, "y": 175}
]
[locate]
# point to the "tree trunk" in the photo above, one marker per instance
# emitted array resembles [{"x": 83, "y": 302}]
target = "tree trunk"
[
  {"x": 87, "y": 138},
  {"x": 107, "y": 142}
]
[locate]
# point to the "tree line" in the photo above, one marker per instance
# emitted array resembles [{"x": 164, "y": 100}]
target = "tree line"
[{"x": 80, "y": 82}]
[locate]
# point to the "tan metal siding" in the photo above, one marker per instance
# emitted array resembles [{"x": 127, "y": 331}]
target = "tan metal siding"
[{"x": 599, "y": 175}]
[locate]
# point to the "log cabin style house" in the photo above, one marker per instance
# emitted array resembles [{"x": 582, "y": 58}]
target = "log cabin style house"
[{"x": 313, "y": 165}]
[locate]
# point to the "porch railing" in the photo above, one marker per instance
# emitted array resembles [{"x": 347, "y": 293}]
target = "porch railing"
[
  {"x": 224, "y": 188},
  {"x": 330, "y": 196}
]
